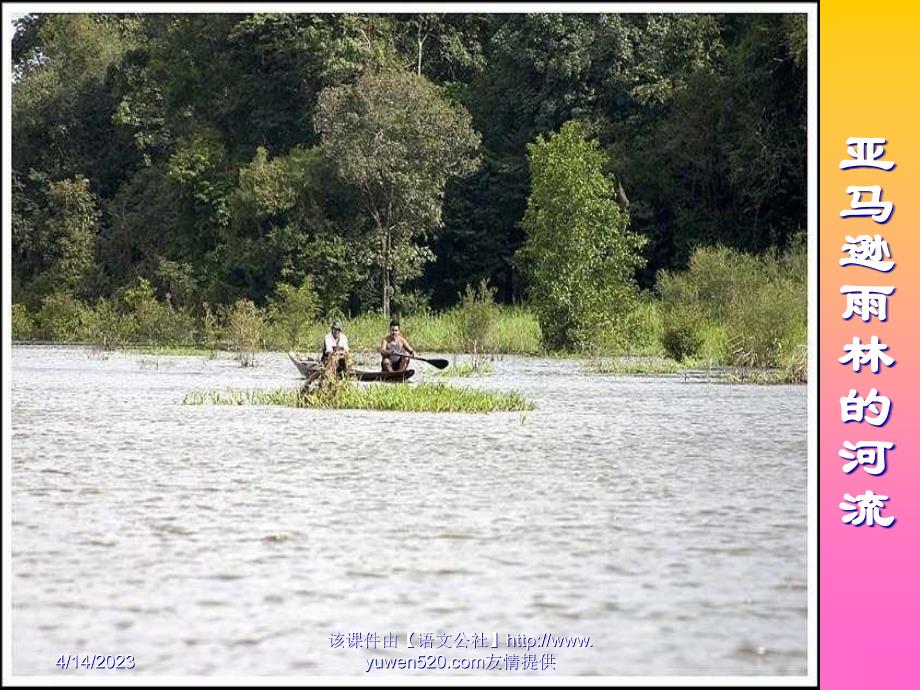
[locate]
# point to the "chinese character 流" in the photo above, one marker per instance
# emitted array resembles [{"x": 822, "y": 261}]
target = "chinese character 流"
[{"x": 869, "y": 506}]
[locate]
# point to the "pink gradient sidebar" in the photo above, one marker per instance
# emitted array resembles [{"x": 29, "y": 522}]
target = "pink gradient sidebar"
[{"x": 869, "y": 602}]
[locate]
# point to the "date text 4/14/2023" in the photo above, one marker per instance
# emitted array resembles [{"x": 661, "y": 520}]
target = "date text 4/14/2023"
[{"x": 95, "y": 662}]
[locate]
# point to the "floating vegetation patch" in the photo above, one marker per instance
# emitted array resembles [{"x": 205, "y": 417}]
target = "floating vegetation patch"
[
  {"x": 154, "y": 363},
  {"x": 788, "y": 375},
  {"x": 467, "y": 370},
  {"x": 628, "y": 366},
  {"x": 424, "y": 397},
  {"x": 174, "y": 351}
]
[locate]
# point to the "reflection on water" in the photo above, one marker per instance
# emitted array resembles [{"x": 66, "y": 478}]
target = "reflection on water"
[{"x": 665, "y": 519}]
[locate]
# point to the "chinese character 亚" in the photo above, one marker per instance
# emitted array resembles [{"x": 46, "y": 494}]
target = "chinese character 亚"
[
  {"x": 876, "y": 209},
  {"x": 865, "y": 152},
  {"x": 853, "y": 408},
  {"x": 869, "y": 506},
  {"x": 867, "y": 453},
  {"x": 867, "y": 251},
  {"x": 866, "y": 301},
  {"x": 871, "y": 353}
]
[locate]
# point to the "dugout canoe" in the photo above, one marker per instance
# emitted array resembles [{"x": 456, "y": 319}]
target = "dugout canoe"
[{"x": 310, "y": 368}]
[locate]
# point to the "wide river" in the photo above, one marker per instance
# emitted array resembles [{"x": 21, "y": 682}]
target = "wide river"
[{"x": 664, "y": 518}]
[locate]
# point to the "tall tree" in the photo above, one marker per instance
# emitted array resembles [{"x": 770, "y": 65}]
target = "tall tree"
[
  {"x": 397, "y": 141},
  {"x": 579, "y": 254}
]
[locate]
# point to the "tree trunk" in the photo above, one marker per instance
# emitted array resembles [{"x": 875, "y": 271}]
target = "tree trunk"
[
  {"x": 421, "y": 42},
  {"x": 385, "y": 274}
]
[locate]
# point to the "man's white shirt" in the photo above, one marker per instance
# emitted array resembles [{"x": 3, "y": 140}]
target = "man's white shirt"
[{"x": 332, "y": 342}]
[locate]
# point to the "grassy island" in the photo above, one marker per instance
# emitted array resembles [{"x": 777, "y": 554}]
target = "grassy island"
[{"x": 388, "y": 397}]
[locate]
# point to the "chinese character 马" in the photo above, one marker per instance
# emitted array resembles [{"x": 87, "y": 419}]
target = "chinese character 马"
[{"x": 876, "y": 209}]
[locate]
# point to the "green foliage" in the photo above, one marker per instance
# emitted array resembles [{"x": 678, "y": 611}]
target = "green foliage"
[
  {"x": 55, "y": 227},
  {"x": 209, "y": 327},
  {"x": 764, "y": 325},
  {"x": 517, "y": 331},
  {"x": 580, "y": 256},
  {"x": 197, "y": 169},
  {"x": 476, "y": 316},
  {"x": 291, "y": 313},
  {"x": 153, "y": 320},
  {"x": 22, "y": 324},
  {"x": 73, "y": 221},
  {"x": 425, "y": 397},
  {"x": 61, "y": 318},
  {"x": 476, "y": 367},
  {"x": 715, "y": 347},
  {"x": 177, "y": 281},
  {"x": 219, "y": 155},
  {"x": 394, "y": 139},
  {"x": 749, "y": 310},
  {"x": 628, "y": 366},
  {"x": 106, "y": 326},
  {"x": 680, "y": 336},
  {"x": 795, "y": 362},
  {"x": 644, "y": 325},
  {"x": 245, "y": 330}
]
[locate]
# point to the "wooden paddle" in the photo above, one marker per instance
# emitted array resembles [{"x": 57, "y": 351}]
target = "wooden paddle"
[{"x": 436, "y": 363}]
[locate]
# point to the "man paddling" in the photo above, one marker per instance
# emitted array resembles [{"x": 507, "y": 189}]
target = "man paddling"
[
  {"x": 335, "y": 345},
  {"x": 393, "y": 350}
]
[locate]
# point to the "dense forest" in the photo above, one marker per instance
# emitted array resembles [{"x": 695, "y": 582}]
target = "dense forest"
[{"x": 220, "y": 155}]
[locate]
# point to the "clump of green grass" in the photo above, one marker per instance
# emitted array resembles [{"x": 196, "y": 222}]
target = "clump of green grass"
[
  {"x": 516, "y": 331},
  {"x": 467, "y": 369},
  {"x": 511, "y": 330},
  {"x": 628, "y": 366},
  {"x": 735, "y": 308},
  {"x": 763, "y": 376},
  {"x": 154, "y": 363},
  {"x": 173, "y": 351},
  {"x": 389, "y": 397}
]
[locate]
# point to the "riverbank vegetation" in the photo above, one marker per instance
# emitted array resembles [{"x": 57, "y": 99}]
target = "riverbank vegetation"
[
  {"x": 615, "y": 185},
  {"x": 727, "y": 309},
  {"x": 425, "y": 397}
]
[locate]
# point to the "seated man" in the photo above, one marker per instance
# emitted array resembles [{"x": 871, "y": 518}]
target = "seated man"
[
  {"x": 393, "y": 350},
  {"x": 335, "y": 345}
]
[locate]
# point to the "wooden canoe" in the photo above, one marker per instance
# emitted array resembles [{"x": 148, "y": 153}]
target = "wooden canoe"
[{"x": 310, "y": 369}]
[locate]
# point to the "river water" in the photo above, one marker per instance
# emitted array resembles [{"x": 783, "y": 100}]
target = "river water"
[{"x": 665, "y": 519}]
